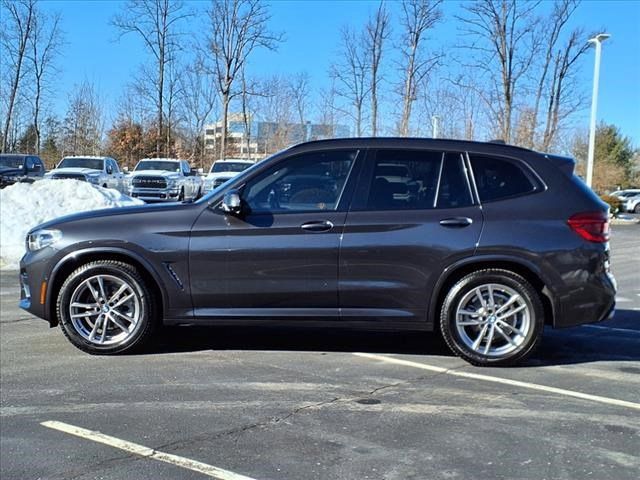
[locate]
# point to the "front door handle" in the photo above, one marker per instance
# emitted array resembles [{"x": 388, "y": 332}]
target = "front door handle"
[
  {"x": 319, "y": 226},
  {"x": 456, "y": 222}
]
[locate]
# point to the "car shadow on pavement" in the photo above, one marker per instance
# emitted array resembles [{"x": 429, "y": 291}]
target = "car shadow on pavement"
[
  {"x": 616, "y": 340},
  {"x": 278, "y": 338},
  {"x": 559, "y": 347}
]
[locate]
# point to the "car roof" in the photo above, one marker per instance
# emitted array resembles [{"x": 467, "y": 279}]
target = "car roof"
[
  {"x": 17, "y": 155},
  {"x": 233, "y": 160},
  {"x": 162, "y": 160},
  {"x": 410, "y": 142},
  {"x": 89, "y": 157}
]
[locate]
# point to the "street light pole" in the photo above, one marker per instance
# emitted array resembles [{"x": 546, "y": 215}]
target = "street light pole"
[
  {"x": 434, "y": 126},
  {"x": 597, "y": 41}
]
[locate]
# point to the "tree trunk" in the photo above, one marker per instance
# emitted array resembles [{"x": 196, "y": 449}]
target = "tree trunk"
[
  {"x": 223, "y": 130},
  {"x": 16, "y": 78}
]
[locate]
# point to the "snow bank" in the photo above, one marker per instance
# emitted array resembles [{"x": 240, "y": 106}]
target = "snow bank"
[{"x": 25, "y": 205}]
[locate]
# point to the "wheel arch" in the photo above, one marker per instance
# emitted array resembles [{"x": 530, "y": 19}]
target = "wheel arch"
[
  {"x": 76, "y": 259},
  {"x": 522, "y": 267}
]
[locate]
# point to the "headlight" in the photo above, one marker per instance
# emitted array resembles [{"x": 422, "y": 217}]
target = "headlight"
[
  {"x": 171, "y": 182},
  {"x": 93, "y": 178},
  {"x": 42, "y": 238}
]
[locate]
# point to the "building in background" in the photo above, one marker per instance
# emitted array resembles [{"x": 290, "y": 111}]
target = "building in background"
[{"x": 265, "y": 138}]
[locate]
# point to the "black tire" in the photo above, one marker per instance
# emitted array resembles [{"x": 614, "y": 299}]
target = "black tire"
[
  {"x": 199, "y": 194},
  {"x": 104, "y": 185},
  {"x": 637, "y": 208},
  {"x": 457, "y": 336},
  {"x": 139, "y": 334}
]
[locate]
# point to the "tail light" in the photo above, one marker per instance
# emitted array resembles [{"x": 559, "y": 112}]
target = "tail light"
[{"x": 592, "y": 226}]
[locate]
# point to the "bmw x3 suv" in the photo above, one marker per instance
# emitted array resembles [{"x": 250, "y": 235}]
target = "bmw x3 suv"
[{"x": 486, "y": 242}]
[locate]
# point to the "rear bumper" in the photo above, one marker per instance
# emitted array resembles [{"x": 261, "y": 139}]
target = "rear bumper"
[{"x": 594, "y": 301}]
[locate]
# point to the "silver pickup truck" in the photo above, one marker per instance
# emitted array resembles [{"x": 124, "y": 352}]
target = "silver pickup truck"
[
  {"x": 101, "y": 171},
  {"x": 164, "y": 180}
]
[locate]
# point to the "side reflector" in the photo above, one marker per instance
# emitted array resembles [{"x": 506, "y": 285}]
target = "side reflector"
[{"x": 43, "y": 292}]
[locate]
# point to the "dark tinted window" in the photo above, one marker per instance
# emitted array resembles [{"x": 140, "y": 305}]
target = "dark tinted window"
[
  {"x": 499, "y": 178},
  {"x": 414, "y": 179},
  {"x": 309, "y": 182},
  {"x": 453, "y": 191}
]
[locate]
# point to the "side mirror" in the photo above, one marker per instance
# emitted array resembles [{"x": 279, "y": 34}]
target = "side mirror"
[
  {"x": 200, "y": 171},
  {"x": 232, "y": 203},
  {"x": 34, "y": 168},
  {"x": 125, "y": 169},
  {"x": 109, "y": 170}
]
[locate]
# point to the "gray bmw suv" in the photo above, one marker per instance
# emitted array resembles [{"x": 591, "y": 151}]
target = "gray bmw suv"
[{"x": 483, "y": 241}]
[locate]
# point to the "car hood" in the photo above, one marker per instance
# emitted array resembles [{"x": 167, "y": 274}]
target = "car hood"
[
  {"x": 10, "y": 171},
  {"x": 84, "y": 171},
  {"x": 155, "y": 173},
  {"x": 213, "y": 176},
  {"x": 59, "y": 222}
]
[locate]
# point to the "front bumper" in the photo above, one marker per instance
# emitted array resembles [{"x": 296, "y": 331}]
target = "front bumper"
[
  {"x": 155, "y": 194},
  {"x": 34, "y": 282}
]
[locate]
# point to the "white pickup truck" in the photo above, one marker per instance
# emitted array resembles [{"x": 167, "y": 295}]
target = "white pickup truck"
[
  {"x": 164, "y": 180},
  {"x": 102, "y": 171}
]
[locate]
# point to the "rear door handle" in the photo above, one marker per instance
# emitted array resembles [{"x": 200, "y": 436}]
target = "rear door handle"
[
  {"x": 456, "y": 222},
  {"x": 319, "y": 226}
]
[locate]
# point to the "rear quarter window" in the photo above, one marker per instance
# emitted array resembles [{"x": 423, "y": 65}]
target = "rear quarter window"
[{"x": 498, "y": 178}]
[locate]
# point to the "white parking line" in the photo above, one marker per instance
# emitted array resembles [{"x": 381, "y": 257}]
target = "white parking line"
[
  {"x": 136, "y": 449},
  {"x": 504, "y": 381},
  {"x": 613, "y": 329}
]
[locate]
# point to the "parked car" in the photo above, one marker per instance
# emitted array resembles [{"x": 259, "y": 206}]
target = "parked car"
[
  {"x": 223, "y": 170},
  {"x": 164, "y": 179},
  {"x": 101, "y": 171},
  {"x": 18, "y": 167},
  {"x": 624, "y": 194},
  {"x": 631, "y": 203},
  {"x": 497, "y": 242}
]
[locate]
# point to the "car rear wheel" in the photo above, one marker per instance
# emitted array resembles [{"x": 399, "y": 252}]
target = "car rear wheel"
[
  {"x": 492, "y": 317},
  {"x": 637, "y": 208},
  {"x": 105, "y": 307}
]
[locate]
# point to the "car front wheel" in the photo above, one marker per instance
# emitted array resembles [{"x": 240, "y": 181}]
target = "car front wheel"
[
  {"x": 492, "y": 317},
  {"x": 105, "y": 307}
]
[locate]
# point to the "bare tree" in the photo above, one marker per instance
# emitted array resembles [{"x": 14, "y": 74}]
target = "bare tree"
[
  {"x": 298, "y": 86},
  {"x": 83, "y": 125},
  {"x": 237, "y": 28},
  {"x": 15, "y": 34},
  {"x": 157, "y": 23},
  {"x": 199, "y": 101},
  {"x": 501, "y": 34},
  {"x": 351, "y": 73},
  {"x": 563, "y": 94},
  {"x": 377, "y": 32},
  {"x": 418, "y": 16},
  {"x": 44, "y": 45}
]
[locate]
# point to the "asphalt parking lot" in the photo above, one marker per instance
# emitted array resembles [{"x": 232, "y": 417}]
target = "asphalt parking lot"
[{"x": 270, "y": 403}]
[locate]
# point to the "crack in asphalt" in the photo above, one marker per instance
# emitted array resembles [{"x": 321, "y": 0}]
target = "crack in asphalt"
[{"x": 238, "y": 431}]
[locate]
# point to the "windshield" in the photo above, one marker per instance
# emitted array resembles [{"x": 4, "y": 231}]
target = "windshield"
[
  {"x": 158, "y": 165},
  {"x": 93, "y": 163},
  {"x": 12, "y": 161},
  {"x": 229, "y": 167}
]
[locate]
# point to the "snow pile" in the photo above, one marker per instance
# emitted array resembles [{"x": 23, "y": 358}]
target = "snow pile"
[{"x": 26, "y": 205}]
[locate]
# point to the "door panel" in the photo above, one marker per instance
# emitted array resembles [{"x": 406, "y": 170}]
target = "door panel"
[
  {"x": 276, "y": 263},
  {"x": 390, "y": 261}
]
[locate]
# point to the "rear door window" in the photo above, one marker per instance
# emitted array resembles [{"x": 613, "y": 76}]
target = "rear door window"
[
  {"x": 418, "y": 180},
  {"x": 498, "y": 178}
]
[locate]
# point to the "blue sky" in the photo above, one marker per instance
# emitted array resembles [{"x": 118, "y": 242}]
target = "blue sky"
[{"x": 311, "y": 28}]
